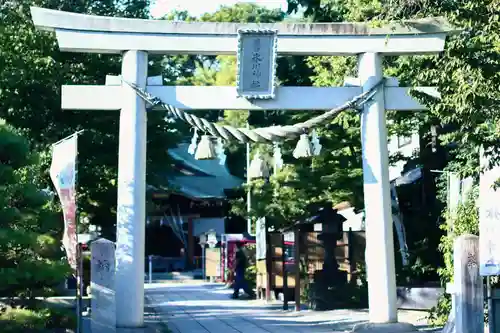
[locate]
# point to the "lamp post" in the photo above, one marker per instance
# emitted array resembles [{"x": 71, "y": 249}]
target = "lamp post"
[
  {"x": 150, "y": 268},
  {"x": 212, "y": 242},
  {"x": 203, "y": 242},
  {"x": 249, "y": 195},
  {"x": 211, "y": 239}
]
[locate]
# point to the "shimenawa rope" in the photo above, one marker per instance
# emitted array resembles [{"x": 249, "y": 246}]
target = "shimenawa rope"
[{"x": 264, "y": 134}]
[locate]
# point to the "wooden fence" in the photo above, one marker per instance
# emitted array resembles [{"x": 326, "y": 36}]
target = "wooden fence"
[{"x": 349, "y": 253}]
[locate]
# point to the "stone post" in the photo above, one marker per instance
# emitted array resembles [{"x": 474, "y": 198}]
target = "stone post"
[
  {"x": 468, "y": 285},
  {"x": 102, "y": 285}
]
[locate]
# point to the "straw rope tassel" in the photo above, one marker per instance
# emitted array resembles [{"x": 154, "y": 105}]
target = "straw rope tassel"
[
  {"x": 194, "y": 142},
  {"x": 303, "y": 148},
  {"x": 206, "y": 149}
]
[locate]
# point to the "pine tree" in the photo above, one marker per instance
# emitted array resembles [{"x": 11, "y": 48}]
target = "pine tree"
[{"x": 30, "y": 229}]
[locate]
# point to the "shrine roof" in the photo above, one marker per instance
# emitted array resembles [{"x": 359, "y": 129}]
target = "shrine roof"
[{"x": 209, "y": 180}]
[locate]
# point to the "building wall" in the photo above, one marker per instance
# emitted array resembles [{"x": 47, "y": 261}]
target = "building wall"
[
  {"x": 407, "y": 146},
  {"x": 202, "y": 225},
  {"x": 354, "y": 221}
]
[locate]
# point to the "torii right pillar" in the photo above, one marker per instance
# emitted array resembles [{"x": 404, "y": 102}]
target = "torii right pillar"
[
  {"x": 380, "y": 267},
  {"x": 379, "y": 230}
]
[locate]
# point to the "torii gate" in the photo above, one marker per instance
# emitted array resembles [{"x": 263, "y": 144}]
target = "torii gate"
[{"x": 135, "y": 39}]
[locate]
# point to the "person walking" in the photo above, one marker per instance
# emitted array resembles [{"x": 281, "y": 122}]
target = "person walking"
[{"x": 239, "y": 273}]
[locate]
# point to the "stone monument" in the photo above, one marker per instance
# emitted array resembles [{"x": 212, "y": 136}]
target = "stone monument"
[{"x": 102, "y": 277}]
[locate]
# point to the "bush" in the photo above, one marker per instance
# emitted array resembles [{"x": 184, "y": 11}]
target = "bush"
[
  {"x": 61, "y": 318},
  {"x": 464, "y": 221},
  {"x": 251, "y": 276},
  {"x": 251, "y": 271},
  {"x": 25, "y": 320},
  {"x": 19, "y": 320}
]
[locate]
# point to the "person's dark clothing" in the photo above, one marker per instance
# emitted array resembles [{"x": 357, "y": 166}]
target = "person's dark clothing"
[
  {"x": 239, "y": 279},
  {"x": 241, "y": 260}
]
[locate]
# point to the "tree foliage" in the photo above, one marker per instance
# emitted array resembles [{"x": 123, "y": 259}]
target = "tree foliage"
[
  {"x": 466, "y": 73},
  {"x": 333, "y": 176},
  {"x": 244, "y": 13},
  {"x": 33, "y": 71},
  {"x": 465, "y": 220},
  {"x": 29, "y": 227}
]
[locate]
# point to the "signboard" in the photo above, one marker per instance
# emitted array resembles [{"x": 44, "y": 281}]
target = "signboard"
[
  {"x": 489, "y": 221},
  {"x": 260, "y": 239},
  {"x": 256, "y": 60},
  {"x": 63, "y": 175},
  {"x": 212, "y": 262}
]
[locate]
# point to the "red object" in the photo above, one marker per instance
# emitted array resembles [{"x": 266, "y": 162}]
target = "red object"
[{"x": 231, "y": 252}]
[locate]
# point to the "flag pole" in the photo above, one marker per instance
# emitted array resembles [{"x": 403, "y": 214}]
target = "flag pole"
[
  {"x": 78, "y": 249},
  {"x": 68, "y": 137},
  {"x": 79, "y": 266}
]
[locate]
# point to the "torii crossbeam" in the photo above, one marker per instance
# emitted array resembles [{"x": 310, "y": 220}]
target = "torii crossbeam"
[{"x": 136, "y": 38}]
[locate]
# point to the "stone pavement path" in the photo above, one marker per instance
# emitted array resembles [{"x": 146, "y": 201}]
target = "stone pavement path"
[{"x": 207, "y": 308}]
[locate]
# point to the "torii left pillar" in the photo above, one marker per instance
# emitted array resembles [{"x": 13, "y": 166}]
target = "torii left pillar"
[{"x": 131, "y": 207}]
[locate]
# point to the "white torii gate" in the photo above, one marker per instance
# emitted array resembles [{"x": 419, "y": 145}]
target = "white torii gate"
[{"x": 135, "y": 39}]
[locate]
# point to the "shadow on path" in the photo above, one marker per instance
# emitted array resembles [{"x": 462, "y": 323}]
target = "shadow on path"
[{"x": 208, "y": 308}]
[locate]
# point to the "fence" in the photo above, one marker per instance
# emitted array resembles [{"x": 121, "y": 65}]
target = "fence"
[
  {"x": 166, "y": 264},
  {"x": 348, "y": 252}
]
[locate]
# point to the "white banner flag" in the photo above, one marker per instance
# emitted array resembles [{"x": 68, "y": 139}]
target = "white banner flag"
[
  {"x": 489, "y": 220},
  {"x": 63, "y": 175}
]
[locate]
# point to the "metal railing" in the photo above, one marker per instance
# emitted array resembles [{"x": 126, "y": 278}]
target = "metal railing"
[{"x": 159, "y": 266}]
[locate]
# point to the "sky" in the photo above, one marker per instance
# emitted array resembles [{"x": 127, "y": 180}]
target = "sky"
[{"x": 199, "y": 7}]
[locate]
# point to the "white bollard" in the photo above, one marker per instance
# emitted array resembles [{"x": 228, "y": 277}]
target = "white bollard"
[
  {"x": 150, "y": 269},
  {"x": 203, "y": 268},
  {"x": 450, "y": 324}
]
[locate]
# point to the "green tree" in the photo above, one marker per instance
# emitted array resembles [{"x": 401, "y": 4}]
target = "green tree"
[
  {"x": 33, "y": 71},
  {"x": 465, "y": 220},
  {"x": 244, "y": 13},
  {"x": 466, "y": 73},
  {"x": 30, "y": 229}
]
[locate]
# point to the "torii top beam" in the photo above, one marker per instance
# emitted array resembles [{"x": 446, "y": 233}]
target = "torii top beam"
[{"x": 98, "y": 34}]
